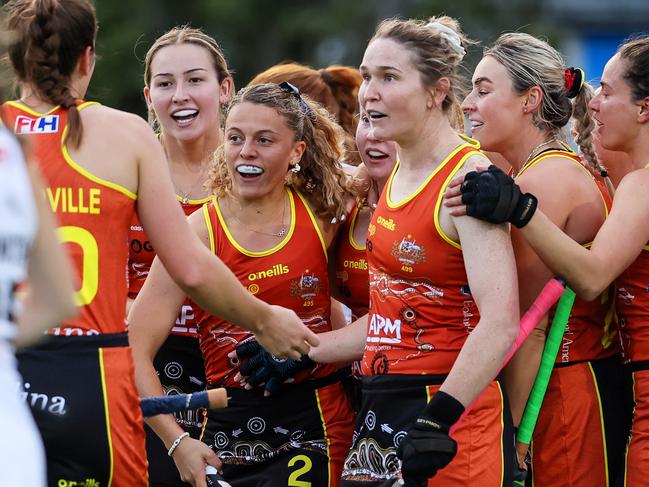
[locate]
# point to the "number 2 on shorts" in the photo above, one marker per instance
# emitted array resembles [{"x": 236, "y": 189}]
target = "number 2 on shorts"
[{"x": 293, "y": 479}]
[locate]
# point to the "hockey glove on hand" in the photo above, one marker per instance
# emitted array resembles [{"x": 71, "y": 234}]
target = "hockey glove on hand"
[
  {"x": 261, "y": 367},
  {"x": 493, "y": 196},
  {"x": 428, "y": 447}
]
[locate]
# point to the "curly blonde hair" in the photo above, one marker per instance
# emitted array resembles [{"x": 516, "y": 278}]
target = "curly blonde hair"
[{"x": 321, "y": 178}]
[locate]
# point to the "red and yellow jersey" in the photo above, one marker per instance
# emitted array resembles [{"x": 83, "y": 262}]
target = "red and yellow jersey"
[
  {"x": 421, "y": 309},
  {"x": 141, "y": 255},
  {"x": 352, "y": 277},
  {"x": 591, "y": 332},
  {"x": 93, "y": 217},
  {"x": 292, "y": 274},
  {"x": 632, "y": 306}
]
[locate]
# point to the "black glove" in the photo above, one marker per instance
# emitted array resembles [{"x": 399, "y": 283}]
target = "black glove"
[
  {"x": 428, "y": 447},
  {"x": 262, "y": 367},
  {"x": 493, "y": 196}
]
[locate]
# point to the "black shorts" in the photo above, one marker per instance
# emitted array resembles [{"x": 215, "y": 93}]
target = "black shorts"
[
  {"x": 180, "y": 366},
  {"x": 82, "y": 395},
  {"x": 390, "y": 403},
  {"x": 299, "y": 436}
]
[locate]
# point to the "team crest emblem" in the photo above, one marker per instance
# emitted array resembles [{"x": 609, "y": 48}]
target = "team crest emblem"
[
  {"x": 408, "y": 252},
  {"x": 307, "y": 286}
]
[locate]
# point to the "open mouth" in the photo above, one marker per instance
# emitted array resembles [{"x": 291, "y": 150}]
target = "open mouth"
[
  {"x": 185, "y": 116},
  {"x": 376, "y": 155},
  {"x": 248, "y": 171},
  {"x": 375, "y": 115},
  {"x": 475, "y": 124}
]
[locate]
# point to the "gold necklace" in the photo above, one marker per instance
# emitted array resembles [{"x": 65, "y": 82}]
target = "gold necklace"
[
  {"x": 184, "y": 196},
  {"x": 533, "y": 154},
  {"x": 280, "y": 234}
]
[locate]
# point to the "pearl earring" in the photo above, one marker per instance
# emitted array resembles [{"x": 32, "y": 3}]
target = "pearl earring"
[{"x": 296, "y": 168}]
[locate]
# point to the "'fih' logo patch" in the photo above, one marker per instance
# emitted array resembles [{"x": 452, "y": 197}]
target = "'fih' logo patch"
[{"x": 47, "y": 124}]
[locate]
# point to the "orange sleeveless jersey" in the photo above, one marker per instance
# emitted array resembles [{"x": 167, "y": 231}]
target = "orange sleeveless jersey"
[
  {"x": 292, "y": 274},
  {"x": 421, "y": 309},
  {"x": 632, "y": 306},
  {"x": 141, "y": 255},
  {"x": 352, "y": 276},
  {"x": 93, "y": 217},
  {"x": 591, "y": 332}
]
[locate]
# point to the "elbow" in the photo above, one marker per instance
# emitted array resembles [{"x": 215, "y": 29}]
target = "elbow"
[
  {"x": 590, "y": 290},
  {"x": 508, "y": 325},
  {"x": 190, "y": 277},
  {"x": 510, "y": 333}
]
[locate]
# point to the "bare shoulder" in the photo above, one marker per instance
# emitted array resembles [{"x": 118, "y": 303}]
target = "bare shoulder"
[
  {"x": 473, "y": 162},
  {"x": 635, "y": 185},
  {"x": 555, "y": 175},
  {"x": 116, "y": 124}
]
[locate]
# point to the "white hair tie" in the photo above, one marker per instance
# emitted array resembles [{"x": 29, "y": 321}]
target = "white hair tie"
[{"x": 452, "y": 37}]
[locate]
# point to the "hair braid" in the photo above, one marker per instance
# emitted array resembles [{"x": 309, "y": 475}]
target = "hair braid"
[
  {"x": 42, "y": 66},
  {"x": 584, "y": 126},
  {"x": 48, "y": 38}
]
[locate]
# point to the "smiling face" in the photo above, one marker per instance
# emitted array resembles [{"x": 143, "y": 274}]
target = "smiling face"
[
  {"x": 494, "y": 108},
  {"x": 185, "y": 92},
  {"x": 259, "y": 149},
  {"x": 613, "y": 108},
  {"x": 392, "y": 93},
  {"x": 379, "y": 156}
]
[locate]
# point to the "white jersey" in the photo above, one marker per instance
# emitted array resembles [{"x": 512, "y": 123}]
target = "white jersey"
[
  {"x": 22, "y": 460},
  {"x": 18, "y": 222}
]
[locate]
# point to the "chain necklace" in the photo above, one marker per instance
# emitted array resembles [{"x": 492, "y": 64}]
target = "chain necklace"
[
  {"x": 283, "y": 231},
  {"x": 533, "y": 154},
  {"x": 184, "y": 195}
]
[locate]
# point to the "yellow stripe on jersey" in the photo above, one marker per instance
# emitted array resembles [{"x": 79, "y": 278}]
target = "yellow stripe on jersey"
[
  {"x": 107, "y": 415},
  {"x": 251, "y": 253}
]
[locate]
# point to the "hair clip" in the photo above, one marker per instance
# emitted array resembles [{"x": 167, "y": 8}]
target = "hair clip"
[{"x": 293, "y": 90}]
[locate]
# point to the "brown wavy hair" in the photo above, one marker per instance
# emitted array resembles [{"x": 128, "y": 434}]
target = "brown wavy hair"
[
  {"x": 321, "y": 178},
  {"x": 47, "y": 39},
  {"x": 335, "y": 88}
]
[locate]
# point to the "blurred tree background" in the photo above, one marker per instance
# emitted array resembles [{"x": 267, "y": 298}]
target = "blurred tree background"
[{"x": 256, "y": 34}]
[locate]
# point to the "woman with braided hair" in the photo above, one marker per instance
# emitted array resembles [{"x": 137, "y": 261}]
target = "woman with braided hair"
[
  {"x": 520, "y": 102},
  {"x": 28, "y": 251},
  {"x": 99, "y": 166},
  {"x": 277, "y": 184},
  {"x": 618, "y": 250}
]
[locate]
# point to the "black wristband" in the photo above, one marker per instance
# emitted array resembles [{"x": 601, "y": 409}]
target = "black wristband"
[
  {"x": 524, "y": 210},
  {"x": 445, "y": 408}
]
